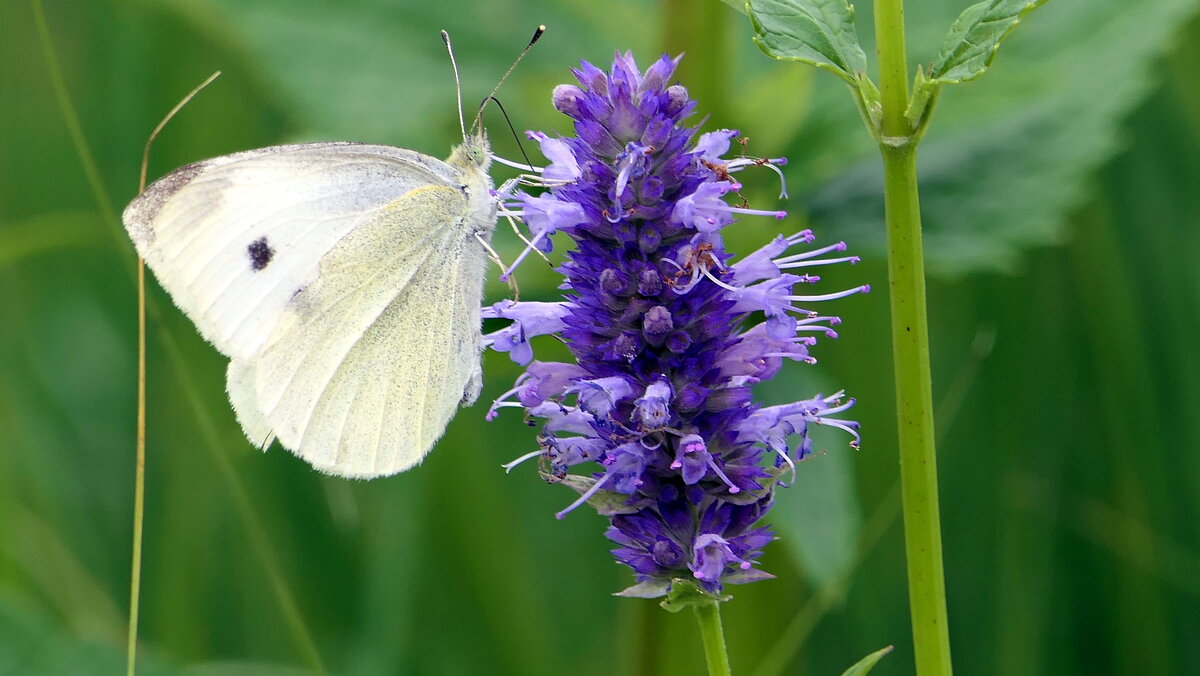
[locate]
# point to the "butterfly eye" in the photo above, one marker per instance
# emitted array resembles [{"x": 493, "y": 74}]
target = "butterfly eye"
[{"x": 478, "y": 154}]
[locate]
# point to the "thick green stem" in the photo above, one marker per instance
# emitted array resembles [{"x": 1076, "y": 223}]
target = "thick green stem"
[
  {"x": 914, "y": 410},
  {"x": 709, "y": 617},
  {"x": 910, "y": 351},
  {"x": 893, "y": 66}
]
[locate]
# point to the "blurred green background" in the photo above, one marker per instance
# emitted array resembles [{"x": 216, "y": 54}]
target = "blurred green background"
[{"x": 1062, "y": 205}]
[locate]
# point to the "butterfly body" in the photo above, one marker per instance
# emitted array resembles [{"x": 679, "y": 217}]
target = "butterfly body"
[{"x": 344, "y": 283}]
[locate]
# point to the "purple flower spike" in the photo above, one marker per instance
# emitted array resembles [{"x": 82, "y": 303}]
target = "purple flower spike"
[{"x": 654, "y": 424}]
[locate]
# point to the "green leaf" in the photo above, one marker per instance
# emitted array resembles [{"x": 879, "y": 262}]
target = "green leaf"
[
  {"x": 865, "y": 665},
  {"x": 974, "y": 38},
  {"x": 816, "y": 32},
  {"x": 1006, "y": 159},
  {"x": 648, "y": 589},
  {"x": 739, "y": 6}
]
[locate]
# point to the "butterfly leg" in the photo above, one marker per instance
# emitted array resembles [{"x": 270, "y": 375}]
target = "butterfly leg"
[
  {"x": 513, "y": 223},
  {"x": 495, "y": 257},
  {"x": 507, "y": 188}
]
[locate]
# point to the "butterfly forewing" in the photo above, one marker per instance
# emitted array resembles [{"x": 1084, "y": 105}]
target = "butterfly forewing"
[{"x": 233, "y": 238}]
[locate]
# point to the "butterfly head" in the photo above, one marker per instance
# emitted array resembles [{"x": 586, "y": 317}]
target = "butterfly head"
[{"x": 475, "y": 152}]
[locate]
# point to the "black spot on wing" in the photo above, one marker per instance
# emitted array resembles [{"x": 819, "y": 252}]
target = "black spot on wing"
[{"x": 260, "y": 254}]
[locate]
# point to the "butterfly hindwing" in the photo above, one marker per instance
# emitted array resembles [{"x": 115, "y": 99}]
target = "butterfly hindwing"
[{"x": 371, "y": 360}]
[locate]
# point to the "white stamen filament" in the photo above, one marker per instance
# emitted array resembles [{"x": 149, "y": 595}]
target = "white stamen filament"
[
  {"x": 842, "y": 425},
  {"x": 713, "y": 464},
  {"x": 721, "y": 284},
  {"x": 738, "y": 164},
  {"x": 583, "y": 498},
  {"x": 508, "y": 467},
  {"x": 779, "y": 215},
  {"x": 787, "y": 265},
  {"x": 808, "y": 359},
  {"x": 840, "y": 246},
  {"x": 830, "y": 296},
  {"x": 691, "y": 283},
  {"x": 517, "y": 165},
  {"x": 787, "y": 458}
]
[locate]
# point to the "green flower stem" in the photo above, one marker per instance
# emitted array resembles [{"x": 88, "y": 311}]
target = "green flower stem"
[
  {"x": 709, "y": 617},
  {"x": 914, "y": 409},
  {"x": 893, "y": 66},
  {"x": 910, "y": 352}
]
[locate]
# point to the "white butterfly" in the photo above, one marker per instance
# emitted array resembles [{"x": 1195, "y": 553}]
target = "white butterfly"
[{"x": 344, "y": 283}]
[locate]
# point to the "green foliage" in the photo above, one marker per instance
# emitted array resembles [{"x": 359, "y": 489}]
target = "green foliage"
[
  {"x": 1009, "y": 156},
  {"x": 967, "y": 52},
  {"x": 867, "y": 663},
  {"x": 974, "y": 38},
  {"x": 817, "y": 32}
]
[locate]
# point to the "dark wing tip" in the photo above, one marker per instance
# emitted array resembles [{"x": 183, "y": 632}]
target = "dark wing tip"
[{"x": 139, "y": 216}]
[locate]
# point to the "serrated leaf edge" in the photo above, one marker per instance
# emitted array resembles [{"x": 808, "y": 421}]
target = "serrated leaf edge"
[
  {"x": 935, "y": 81},
  {"x": 826, "y": 65}
]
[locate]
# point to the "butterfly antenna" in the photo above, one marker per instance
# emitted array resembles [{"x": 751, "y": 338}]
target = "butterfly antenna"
[
  {"x": 516, "y": 136},
  {"x": 457, "y": 83},
  {"x": 537, "y": 34}
]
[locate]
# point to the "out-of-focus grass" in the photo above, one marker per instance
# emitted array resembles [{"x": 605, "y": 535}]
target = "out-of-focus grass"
[{"x": 1070, "y": 470}]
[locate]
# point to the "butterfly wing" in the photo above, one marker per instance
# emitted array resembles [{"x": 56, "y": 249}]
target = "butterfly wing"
[
  {"x": 343, "y": 280},
  {"x": 370, "y": 361},
  {"x": 234, "y": 238}
]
